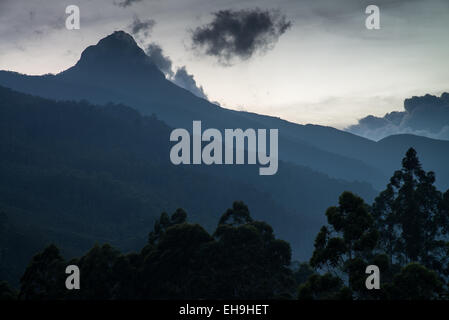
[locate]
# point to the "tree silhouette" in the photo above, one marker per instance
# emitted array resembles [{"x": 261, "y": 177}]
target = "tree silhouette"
[
  {"x": 345, "y": 247},
  {"x": 44, "y": 278},
  {"x": 415, "y": 282},
  {"x": 252, "y": 263},
  {"x": 241, "y": 260},
  {"x": 404, "y": 234},
  {"x": 412, "y": 217},
  {"x": 324, "y": 287},
  {"x": 164, "y": 222}
]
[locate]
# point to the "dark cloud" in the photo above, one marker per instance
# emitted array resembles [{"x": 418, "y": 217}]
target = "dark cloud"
[
  {"x": 240, "y": 33},
  {"x": 126, "y": 3},
  {"x": 142, "y": 28},
  {"x": 181, "y": 77},
  {"x": 426, "y": 116},
  {"x": 185, "y": 80},
  {"x": 154, "y": 51}
]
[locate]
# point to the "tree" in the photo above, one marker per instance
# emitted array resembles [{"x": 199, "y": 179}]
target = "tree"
[
  {"x": 44, "y": 278},
  {"x": 345, "y": 247},
  {"x": 410, "y": 217},
  {"x": 444, "y": 212},
  {"x": 99, "y": 274},
  {"x": 302, "y": 271},
  {"x": 178, "y": 266},
  {"x": 250, "y": 262},
  {"x": 324, "y": 287},
  {"x": 164, "y": 222},
  {"x": 238, "y": 215},
  {"x": 415, "y": 282}
]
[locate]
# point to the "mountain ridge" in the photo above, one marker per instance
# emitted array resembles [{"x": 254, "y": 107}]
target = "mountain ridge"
[
  {"x": 149, "y": 92},
  {"x": 73, "y": 173},
  {"x": 339, "y": 154}
]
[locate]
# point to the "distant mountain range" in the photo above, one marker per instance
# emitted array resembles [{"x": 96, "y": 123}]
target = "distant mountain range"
[
  {"x": 84, "y": 158},
  {"x": 118, "y": 70}
]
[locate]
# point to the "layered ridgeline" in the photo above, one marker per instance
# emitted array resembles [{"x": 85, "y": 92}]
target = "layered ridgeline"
[
  {"x": 118, "y": 70},
  {"x": 76, "y": 174}
]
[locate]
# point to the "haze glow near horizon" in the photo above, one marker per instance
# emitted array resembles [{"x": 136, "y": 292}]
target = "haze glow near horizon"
[{"x": 327, "y": 69}]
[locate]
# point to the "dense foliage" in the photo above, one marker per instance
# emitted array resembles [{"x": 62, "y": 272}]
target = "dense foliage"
[
  {"x": 404, "y": 233},
  {"x": 241, "y": 260},
  {"x": 73, "y": 174}
]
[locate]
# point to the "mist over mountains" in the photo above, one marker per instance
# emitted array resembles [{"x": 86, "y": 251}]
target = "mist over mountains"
[{"x": 96, "y": 138}]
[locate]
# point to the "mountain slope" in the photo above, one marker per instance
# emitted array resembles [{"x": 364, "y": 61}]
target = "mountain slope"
[
  {"x": 384, "y": 155},
  {"x": 397, "y": 145},
  {"x": 74, "y": 174},
  {"x": 117, "y": 70}
]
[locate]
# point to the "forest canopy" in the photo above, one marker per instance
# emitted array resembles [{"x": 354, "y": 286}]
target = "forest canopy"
[{"x": 404, "y": 234}]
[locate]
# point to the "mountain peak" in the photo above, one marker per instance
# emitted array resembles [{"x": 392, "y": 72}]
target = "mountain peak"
[
  {"x": 116, "y": 61},
  {"x": 117, "y": 48},
  {"x": 118, "y": 39}
]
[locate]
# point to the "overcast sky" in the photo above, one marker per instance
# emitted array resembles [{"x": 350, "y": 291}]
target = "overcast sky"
[{"x": 324, "y": 68}]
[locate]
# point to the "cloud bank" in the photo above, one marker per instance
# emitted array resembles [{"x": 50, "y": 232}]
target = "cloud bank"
[
  {"x": 179, "y": 77},
  {"x": 425, "y": 116},
  {"x": 164, "y": 63},
  {"x": 142, "y": 28},
  {"x": 186, "y": 80},
  {"x": 239, "y": 34}
]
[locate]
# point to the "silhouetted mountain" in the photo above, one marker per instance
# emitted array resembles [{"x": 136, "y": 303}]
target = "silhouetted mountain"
[
  {"x": 74, "y": 174},
  {"x": 117, "y": 70},
  {"x": 383, "y": 155},
  {"x": 434, "y": 154}
]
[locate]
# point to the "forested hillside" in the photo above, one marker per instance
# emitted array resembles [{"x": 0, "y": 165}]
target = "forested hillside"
[{"x": 76, "y": 174}]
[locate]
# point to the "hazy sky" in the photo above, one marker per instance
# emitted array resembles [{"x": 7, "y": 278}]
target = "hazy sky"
[{"x": 327, "y": 68}]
